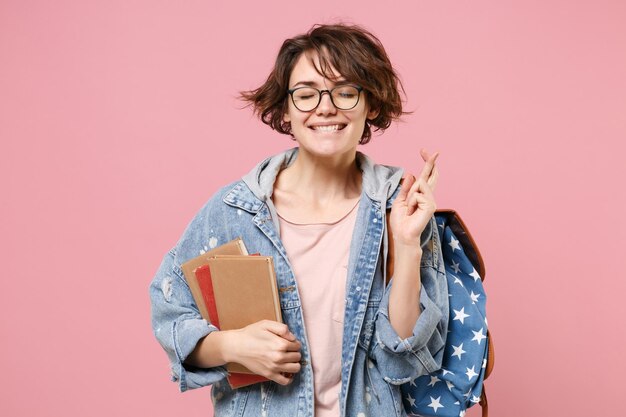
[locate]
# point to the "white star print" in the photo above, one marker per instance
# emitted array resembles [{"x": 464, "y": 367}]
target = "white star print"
[
  {"x": 460, "y": 315},
  {"x": 462, "y": 413},
  {"x": 470, "y": 373},
  {"x": 433, "y": 381},
  {"x": 435, "y": 404},
  {"x": 410, "y": 400},
  {"x": 479, "y": 336},
  {"x": 467, "y": 394},
  {"x": 446, "y": 372},
  {"x": 412, "y": 382},
  {"x": 458, "y": 281},
  {"x": 441, "y": 225},
  {"x": 458, "y": 350},
  {"x": 484, "y": 363},
  {"x": 474, "y": 297},
  {"x": 475, "y": 275},
  {"x": 455, "y": 266},
  {"x": 454, "y": 244},
  {"x": 450, "y": 385},
  {"x": 475, "y": 399}
]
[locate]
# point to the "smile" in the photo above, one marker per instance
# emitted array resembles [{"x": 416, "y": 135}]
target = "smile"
[{"x": 328, "y": 128}]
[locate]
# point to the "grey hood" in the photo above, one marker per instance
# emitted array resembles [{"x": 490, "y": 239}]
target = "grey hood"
[{"x": 380, "y": 182}]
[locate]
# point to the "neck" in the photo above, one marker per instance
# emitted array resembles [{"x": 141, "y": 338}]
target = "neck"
[{"x": 322, "y": 180}]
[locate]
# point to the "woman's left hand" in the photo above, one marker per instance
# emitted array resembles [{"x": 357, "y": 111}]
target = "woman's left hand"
[{"x": 415, "y": 204}]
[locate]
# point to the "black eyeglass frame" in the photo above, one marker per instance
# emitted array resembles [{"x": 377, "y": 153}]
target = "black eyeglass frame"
[{"x": 330, "y": 94}]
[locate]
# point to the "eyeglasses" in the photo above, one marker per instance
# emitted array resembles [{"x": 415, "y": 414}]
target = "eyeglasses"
[{"x": 343, "y": 97}]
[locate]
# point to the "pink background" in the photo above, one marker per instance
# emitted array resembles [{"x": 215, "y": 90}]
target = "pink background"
[{"x": 118, "y": 120}]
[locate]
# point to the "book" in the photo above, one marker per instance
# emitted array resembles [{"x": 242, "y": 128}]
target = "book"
[
  {"x": 235, "y": 379},
  {"x": 244, "y": 291},
  {"x": 234, "y": 247}
]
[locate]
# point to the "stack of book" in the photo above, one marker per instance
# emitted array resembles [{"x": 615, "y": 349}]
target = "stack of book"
[{"x": 233, "y": 289}]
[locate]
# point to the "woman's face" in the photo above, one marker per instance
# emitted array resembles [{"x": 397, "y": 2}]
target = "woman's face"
[{"x": 305, "y": 125}]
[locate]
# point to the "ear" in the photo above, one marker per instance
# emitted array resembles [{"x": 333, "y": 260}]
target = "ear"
[{"x": 372, "y": 114}]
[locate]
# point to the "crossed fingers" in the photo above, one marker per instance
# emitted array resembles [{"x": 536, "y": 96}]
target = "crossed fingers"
[
  {"x": 429, "y": 173},
  {"x": 422, "y": 188}
]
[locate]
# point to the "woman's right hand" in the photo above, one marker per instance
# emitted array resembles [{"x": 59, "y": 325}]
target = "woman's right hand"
[{"x": 269, "y": 349}]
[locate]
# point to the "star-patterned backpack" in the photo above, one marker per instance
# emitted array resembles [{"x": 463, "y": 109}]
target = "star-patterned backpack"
[{"x": 468, "y": 353}]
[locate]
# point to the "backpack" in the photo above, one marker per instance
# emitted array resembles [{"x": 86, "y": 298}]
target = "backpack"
[{"x": 468, "y": 352}]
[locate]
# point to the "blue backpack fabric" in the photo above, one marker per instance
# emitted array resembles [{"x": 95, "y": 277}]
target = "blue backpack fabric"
[{"x": 458, "y": 385}]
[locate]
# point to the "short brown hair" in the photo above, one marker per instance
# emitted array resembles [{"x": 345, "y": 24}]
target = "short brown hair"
[{"x": 356, "y": 53}]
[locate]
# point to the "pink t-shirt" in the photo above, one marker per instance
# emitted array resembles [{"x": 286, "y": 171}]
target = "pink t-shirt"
[{"x": 318, "y": 253}]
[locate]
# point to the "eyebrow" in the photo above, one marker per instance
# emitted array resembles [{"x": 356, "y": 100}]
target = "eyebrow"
[{"x": 314, "y": 84}]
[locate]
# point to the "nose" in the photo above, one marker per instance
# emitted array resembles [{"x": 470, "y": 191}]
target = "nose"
[{"x": 326, "y": 105}]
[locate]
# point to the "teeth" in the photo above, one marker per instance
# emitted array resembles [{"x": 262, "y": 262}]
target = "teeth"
[{"x": 331, "y": 128}]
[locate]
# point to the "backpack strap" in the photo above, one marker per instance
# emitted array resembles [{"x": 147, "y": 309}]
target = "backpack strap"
[
  {"x": 491, "y": 355},
  {"x": 483, "y": 401}
]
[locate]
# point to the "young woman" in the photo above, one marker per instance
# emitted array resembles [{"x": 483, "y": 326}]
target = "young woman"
[{"x": 322, "y": 210}]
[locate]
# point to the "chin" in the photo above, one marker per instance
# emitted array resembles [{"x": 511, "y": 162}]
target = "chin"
[
  {"x": 327, "y": 151},
  {"x": 327, "y": 145}
]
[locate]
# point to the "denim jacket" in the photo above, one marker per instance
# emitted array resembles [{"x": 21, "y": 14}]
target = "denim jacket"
[{"x": 374, "y": 359}]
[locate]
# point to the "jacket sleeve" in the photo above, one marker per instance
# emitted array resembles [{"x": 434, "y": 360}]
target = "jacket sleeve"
[
  {"x": 402, "y": 360},
  {"x": 178, "y": 325}
]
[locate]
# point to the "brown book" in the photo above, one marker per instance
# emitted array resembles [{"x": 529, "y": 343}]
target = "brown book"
[
  {"x": 234, "y": 247},
  {"x": 245, "y": 292},
  {"x": 235, "y": 379}
]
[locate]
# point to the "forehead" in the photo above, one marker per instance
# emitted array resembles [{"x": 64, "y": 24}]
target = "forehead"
[{"x": 308, "y": 69}]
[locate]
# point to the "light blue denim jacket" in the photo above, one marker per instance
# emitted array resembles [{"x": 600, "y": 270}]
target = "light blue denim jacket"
[{"x": 374, "y": 359}]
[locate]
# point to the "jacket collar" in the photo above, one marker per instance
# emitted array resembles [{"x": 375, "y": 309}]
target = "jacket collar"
[{"x": 379, "y": 181}]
